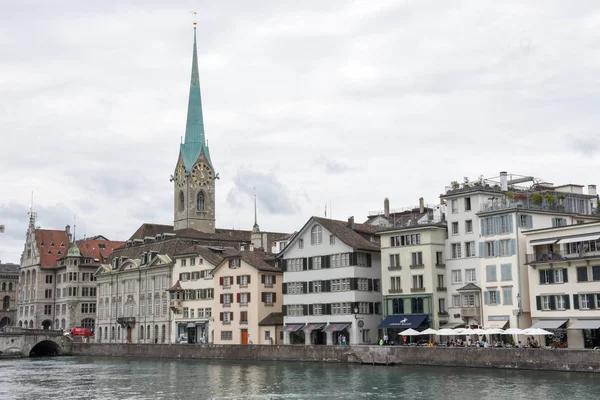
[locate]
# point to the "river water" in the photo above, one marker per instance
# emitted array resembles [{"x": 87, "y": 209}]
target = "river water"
[{"x": 85, "y": 378}]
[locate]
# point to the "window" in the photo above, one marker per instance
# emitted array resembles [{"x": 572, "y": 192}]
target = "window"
[
  {"x": 226, "y": 335},
  {"x": 558, "y": 275},
  {"x": 417, "y": 281},
  {"x": 470, "y": 275},
  {"x": 398, "y": 306},
  {"x": 295, "y": 288},
  {"x": 469, "y": 226},
  {"x": 345, "y": 259},
  {"x": 505, "y": 248},
  {"x": 317, "y": 286},
  {"x": 454, "y": 204},
  {"x": 525, "y": 221},
  {"x": 417, "y": 258},
  {"x": 227, "y": 317},
  {"x": 596, "y": 273},
  {"x": 362, "y": 284},
  {"x": 269, "y": 298},
  {"x": 442, "y": 306},
  {"x": 234, "y": 262},
  {"x": 395, "y": 284},
  {"x": 268, "y": 336},
  {"x": 48, "y": 293},
  {"x": 506, "y": 272},
  {"x": 490, "y": 273},
  {"x": 341, "y": 308},
  {"x": 467, "y": 204},
  {"x": 559, "y": 221},
  {"x": 416, "y": 305},
  {"x": 200, "y": 201},
  {"x": 300, "y": 243},
  {"x": 268, "y": 280},
  {"x": 183, "y": 262},
  {"x": 244, "y": 298},
  {"x": 340, "y": 285},
  {"x": 560, "y": 303},
  {"x": 366, "y": 336},
  {"x": 295, "y": 310},
  {"x": 505, "y": 223},
  {"x": 48, "y": 309},
  {"x": 227, "y": 298},
  {"x": 493, "y": 296},
  {"x": 331, "y": 240},
  {"x": 470, "y": 249},
  {"x": 585, "y": 301},
  {"x": 455, "y": 228},
  {"x": 468, "y": 300},
  {"x": 456, "y": 276},
  {"x": 316, "y": 263},
  {"x": 295, "y": 264},
  {"x": 546, "y": 303},
  {"x": 192, "y": 261},
  {"x": 48, "y": 278},
  {"x": 439, "y": 258},
  {"x": 406, "y": 240},
  {"x": 208, "y": 312},
  {"x": 243, "y": 317},
  {"x": 227, "y": 280},
  {"x": 181, "y": 201},
  {"x": 201, "y": 313},
  {"x": 456, "y": 249},
  {"x": 316, "y": 235},
  {"x": 456, "y": 301},
  {"x": 244, "y": 279},
  {"x": 582, "y": 274},
  {"x": 490, "y": 250}
]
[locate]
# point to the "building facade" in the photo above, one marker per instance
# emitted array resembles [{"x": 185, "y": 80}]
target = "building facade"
[
  {"x": 486, "y": 247},
  {"x": 9, "y": 280},
  {"x": 563, "y": 265},
  {"x": 413, "y": 277},
  {"x": 332, "y": 283},
  {"x": 247, "y": 296}
]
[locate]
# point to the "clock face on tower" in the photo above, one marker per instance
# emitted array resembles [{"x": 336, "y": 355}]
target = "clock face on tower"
[
  {"x": 180, "y": 175},
  {"x": 202, "y": 174}
]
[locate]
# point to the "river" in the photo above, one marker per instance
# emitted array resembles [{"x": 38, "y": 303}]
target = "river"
[{"x": 85, "y": 378}]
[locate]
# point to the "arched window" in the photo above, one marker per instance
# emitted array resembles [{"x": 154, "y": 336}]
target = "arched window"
[
  {"x": 141, "y": 332},
  {"x": 112, "y": 333},
  {"x": 10, "y": 287},
  {"x": 316, "y": 234},
  {"x": 148, "y": 332},
  {"x": 63, "y": 323},
  {"x": 200, "y": 201},
  {"x": 156, "y": 332},
  {"x": 163, "y": 337},
  {"x": 99, "y": 333},
  {"x": 118, "y": 333},
  {"x": 105, "y": 333},
  {"x": 4, "y": 286},
  {"x": 6, "y": 303},
  {"x": 181, "y": 201},
  {"x": 87, "y": 323}
]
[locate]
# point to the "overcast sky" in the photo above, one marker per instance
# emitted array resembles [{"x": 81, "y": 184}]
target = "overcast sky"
[{"x": 310, "y": 102}]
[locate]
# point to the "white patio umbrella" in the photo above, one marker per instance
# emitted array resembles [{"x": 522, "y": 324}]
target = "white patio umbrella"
[
  {"x": 494, "y": 331},
  {"x": 537, "y": 331},
  {"x": 514, "y": 331},
  {"x": 447, "y": 332},
  {"x": 473, "y": 332},
  {"x": 409, "y": 332},
  {"x": 429, "y": 331}
]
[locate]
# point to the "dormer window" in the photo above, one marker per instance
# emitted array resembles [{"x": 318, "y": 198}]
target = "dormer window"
[
  {"x": 58, "y": 252},
  {"x": 234, "y": 263},
  {"x": 62, "y": 245},
  {"x": 42, "y": 243},
  {"x": 49, "y": 252},
  {"x": 52, "y": 244}
]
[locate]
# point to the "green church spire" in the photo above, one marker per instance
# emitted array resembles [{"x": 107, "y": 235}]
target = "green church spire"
[{"x": 195, "y": 141}]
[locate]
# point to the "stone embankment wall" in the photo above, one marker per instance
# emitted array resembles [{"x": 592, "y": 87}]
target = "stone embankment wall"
[{"x": 536, "y": 359}]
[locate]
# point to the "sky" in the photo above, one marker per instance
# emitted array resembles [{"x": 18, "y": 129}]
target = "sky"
[{"x": 341, "y": 103}]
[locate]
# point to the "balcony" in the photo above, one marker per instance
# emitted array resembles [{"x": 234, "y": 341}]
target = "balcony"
[
  {"x": 394, "y": 267},
  {"x": 244, "y": 322},
  {"x": 417, "y": 266},
  {"x": 441, "y": 289},
  {"x": 176, "y": 304},
  {"x": 442, "y": 313},
  {"x": 470, "y": 311},
  {"x": 126, "y": 321},
  {"x": 440, "y": 265},
  {"x": 417, "y": 290},
  {"x": 540, "y": 258},
  {"x": 396, "y": 290}
]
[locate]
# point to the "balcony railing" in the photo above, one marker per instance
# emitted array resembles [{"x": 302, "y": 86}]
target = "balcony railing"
[
  {"x": 417, "y": 290},
  {"x": 396, "y": 290},
  {"x": 394, "y": 267},
  {"x": 470, "y": 311},
  {"x": 441, "y": 289},
  {"x": 440, "y": 265},
  {"x": 417, "y": 266},
  {"x": 557, "y": 257}
]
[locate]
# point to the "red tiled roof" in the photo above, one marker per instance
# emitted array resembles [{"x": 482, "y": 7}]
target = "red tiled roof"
[
  {"x": 49, "y": 245},
  {"x": 98, "y": 249}
]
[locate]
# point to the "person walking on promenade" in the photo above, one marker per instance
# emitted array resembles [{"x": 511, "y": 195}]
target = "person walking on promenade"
[{"x": 386, "y": 339}]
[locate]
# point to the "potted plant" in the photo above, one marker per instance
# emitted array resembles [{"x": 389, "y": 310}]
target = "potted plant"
[
  {"x": 510, "y": 195},
  {"x": 537, "y": 199},
  {"x": 550, "y": 199},
  {"x": 454, "y": 184}
]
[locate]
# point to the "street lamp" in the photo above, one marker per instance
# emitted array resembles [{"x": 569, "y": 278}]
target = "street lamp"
[
  {"x": 519, "y": 301},
  {"x": 355, "y": 312}
]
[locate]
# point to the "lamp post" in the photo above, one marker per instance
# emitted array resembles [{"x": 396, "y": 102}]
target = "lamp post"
[
  {"x": 355, "y": 312},
  {"x": 518, "y": 308}
]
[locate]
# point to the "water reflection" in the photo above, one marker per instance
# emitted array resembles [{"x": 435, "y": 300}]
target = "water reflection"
[{"x": 131, "y": 378}]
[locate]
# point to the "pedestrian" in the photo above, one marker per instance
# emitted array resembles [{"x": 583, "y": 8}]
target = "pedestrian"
[
  {"x": 386, "y": 339},
  {"x": 344, "y": 340},
  {"x": 339, "y": 339},
  {"x": 381, "y": 342},
  {"x": 155, "y": 340}
]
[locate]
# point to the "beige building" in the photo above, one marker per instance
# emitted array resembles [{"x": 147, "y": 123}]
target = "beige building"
[
  {"x": 563, "y": 266},
  {"x": 248, "y": 299}
]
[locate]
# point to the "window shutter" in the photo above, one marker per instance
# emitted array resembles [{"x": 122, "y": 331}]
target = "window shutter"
[
  {"x": 576, "y": 301},
  {"x": 304, "y": 287},
  {"x": 248, "y": 297},
  {"x": 353, "y": 283},
  {"x": 551, "y": 276},
  {"x": 510, "y": 223},
  {"x": 221, "y": 281},
  {"x": 567, "y": 301},
  {"x": 237, "y": 279},
  {"x": 538, "y": 302},
  {"x": 248, "y": 279},
  {"x": 262, "y": 279},
  {"x": 326, "y": 261},
  {"x": 274, "y": 279},
  {"x": 369, "y": 260},
  {"x": 327, "y": 307},
  {"x": 553, "y": 222},
  {"x": 262, "y": 297},
  {"x": 220, "y": 316},
  {"x": 284, "y": 310},
  {"x": 310, "y": 263},
  {"x": 370, "y": 283},
  {"x": 371, "y": 308},
  {"x": 238, "y": 297},
  {"x": 530, "y": 221},
  {"x": 305, "y": 309},
  {"x": 498, "y": 297},
  {"x": 542, "y": 277},
  {"x": 486, "y": 298},
  {"x": 353, "y": 258},
  {"x": 513, "y": 246},
  {"x": 221, "y": 298},
  {"x": 310, "y": 287},
  {"x": 565, "y": 273},
  {"x": 376, "y": 285},
  {"x": 552, "y": 303},
  {"x": 284, "y": 288},
  {"x": 231, "y": 316},
  {"x": 564, "y": 222},
  {"x": 481, "y": 249},
  {"x": 496, "y": 225},
  {"x": 283, "y": 265},
  {"x": 496, "y": 248},
  {"x": 483, "y": 226},
  {"x": 591, "y": 301},
  {"x": 305, "y": 264},
  {"x": 310, "y": 309}
]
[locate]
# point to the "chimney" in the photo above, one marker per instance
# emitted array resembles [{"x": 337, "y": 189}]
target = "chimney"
[
  {"x": 592, "y": 190},
  {"x": 421, "y": 205},
  {"x": 386, "y": 207},
  {"x": 351, "y": 222},
  {"x": 503, "y": 181}
]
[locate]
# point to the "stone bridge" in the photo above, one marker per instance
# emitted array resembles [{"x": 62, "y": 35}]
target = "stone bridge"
[{"x": 19, "y": 342}]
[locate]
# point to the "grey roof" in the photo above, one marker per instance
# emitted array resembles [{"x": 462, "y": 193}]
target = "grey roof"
[
  {"x": 273, "y": 319},
  {"x": 469, "y": 287},
  {"x": 358, "y": 237},
  {"x": 9, "y": 268}
]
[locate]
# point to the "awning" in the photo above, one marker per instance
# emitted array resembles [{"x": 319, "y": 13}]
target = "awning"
[
  {"x": 336, "y": 327},
  {"x": 544, "y": 241},
  {"x": 585, "y": 324},
  {"x": 402, "y": 321},
  {"x": 291, "y": 327},
  {"x": 191, "y": 325},
  {"x": 313, "y": 327},
  {"x": 549, "y": 324},
  {"x": 580, "y": 239},
  {"x": 495, "y": 324},
  {"x": 453, "y": 325}
]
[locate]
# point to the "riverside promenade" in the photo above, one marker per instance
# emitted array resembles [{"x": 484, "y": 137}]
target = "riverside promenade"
[{"x": 573, "y": 360}]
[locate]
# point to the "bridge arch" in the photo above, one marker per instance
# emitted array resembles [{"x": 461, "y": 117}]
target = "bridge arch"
[
  {"x": 46, "y": 324},
  {"x": 45, "y": 348}
]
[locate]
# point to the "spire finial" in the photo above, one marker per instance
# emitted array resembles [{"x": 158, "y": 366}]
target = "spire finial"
[
  {"x": 255, "y": 219},
  {"x": 74, "y": 227}
]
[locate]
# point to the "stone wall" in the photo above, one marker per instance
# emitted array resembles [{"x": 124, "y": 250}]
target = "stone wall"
[{"x": 536, "y": 359}]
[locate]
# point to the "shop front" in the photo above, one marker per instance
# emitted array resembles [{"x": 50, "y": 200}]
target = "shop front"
[
  {"x": 585, "y": 333},
  {"x": 558, "y": 327}
]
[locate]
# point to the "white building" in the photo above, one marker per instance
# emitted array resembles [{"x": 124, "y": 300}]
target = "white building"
[
  {"x": 486, "y": 248},
  {"x": 332, "y": 281},
  {"x": 563, "y": 264}
]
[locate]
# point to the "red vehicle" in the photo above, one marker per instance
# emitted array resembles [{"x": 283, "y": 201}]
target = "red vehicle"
[{"x": 85, "y": 332}]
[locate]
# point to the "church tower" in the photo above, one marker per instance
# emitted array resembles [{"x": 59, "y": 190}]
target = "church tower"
[{"x": 194, "y": 176}]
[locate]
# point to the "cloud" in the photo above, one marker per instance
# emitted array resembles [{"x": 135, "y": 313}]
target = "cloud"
[
  {"x": 334, "y": 166},
  {"x": 587, "y": 146}
]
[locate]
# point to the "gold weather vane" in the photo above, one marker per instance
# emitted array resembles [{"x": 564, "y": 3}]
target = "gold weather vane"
[{"x": 195, "y": 22}]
